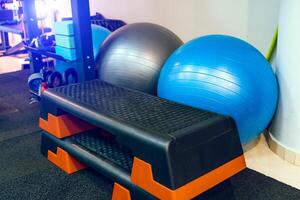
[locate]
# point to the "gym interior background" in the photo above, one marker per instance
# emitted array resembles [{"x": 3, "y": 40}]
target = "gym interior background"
[{"x": 149, "y": 99}]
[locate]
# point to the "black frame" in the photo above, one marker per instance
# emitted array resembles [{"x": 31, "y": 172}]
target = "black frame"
[
  {"x": 32, "y": 31},
  {"x": 83, "y": 40}
]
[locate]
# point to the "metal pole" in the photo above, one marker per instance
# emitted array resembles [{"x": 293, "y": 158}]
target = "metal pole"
[
  {"x": 83, "y": 39},
  {"x": 31, "y": 32}
]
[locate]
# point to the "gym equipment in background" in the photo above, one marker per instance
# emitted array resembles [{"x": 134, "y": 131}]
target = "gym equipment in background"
[
  {"x": 66, "y": 66},
  {"x": 65, "y": 47},
  {"x": 65, "y": 40},
  {"x": 39, "y": 82},
  {"x": 226, "y": 75},
  {"x": 100, "y": 20},
  {"x": 45, "y": 42},
  {"x": 110, "y": 24},
  {"x": 133, "y": 55},
  {"x": 35, "y": 83},
  {"x": 6, "y": 16},
  {"x": 150, "y": 147}
]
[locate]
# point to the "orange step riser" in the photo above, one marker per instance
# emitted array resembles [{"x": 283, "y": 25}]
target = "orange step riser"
[
  {"x": 64, "y": 125},
  {"x": 120, "y": 193},
  {"x": 142, "y": 176},
  {"x": 65, "y": 161}
]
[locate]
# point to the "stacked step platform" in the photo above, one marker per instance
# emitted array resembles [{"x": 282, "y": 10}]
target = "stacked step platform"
[{"x": 150, "y": 147}]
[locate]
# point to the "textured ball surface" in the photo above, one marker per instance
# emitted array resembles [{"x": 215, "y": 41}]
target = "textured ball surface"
[
  {"x": 133, "y": 56},
  {"x": 225, "y": 75}
]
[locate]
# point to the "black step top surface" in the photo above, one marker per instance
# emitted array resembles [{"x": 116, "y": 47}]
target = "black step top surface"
[{"x": 150, "y": 113}]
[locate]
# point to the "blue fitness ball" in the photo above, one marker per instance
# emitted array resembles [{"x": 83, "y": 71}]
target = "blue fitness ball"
[
  {"x": 99, "y": 34},
  {"x": 225, "y": 75}
]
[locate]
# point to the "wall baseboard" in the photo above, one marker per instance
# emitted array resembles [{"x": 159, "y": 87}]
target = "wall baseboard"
[{"x": 281, "y": 151}]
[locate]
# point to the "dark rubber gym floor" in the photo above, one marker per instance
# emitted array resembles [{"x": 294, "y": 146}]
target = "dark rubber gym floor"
[{"x": 26, "y": 174}]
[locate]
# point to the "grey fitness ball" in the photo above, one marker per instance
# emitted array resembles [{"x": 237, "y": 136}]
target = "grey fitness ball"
[{"x": 133, "y": 56}]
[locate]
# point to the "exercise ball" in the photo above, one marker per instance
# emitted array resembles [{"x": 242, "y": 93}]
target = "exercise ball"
[
  {"x": 99, "y": 34},
  {"x": 225, "y": 75},
  {"x": 133, "y": 56}
]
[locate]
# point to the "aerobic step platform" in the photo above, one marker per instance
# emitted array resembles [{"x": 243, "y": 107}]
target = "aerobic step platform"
[{"x": 150, "y": 147}]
